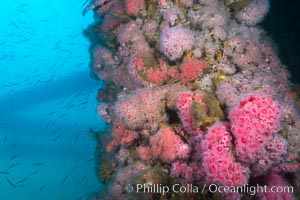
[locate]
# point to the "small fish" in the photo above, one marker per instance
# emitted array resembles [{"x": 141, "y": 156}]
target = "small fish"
[
  {"x": 90, "y": 160},
  {"x": 94, "y": 4},
  {"x": 26, "y": 56},
  {"x": 83, "y": 179},
  {"x": 10, "y": 183},
  {"x": 56, "y": 138},
  {"x": 7, "y": 126},
  {"x": 62, "y": 147},
  {"x": 21, "y": 41},
  {"x": 43, "y": 20},
  {"x": 51, "y": 78},
  {"x": 76, "y": 95},
  {"x": 4, "y": 172},
  {"x": 30, "y": 175},
  {"x": 74, "y": 168},
  {"x": 47, "y": 127},
  {"x": 36, "y": 83},
  {"x": 5, "y": 140},
  {"x": 15, "y": 24},
  {"x": 51, "y": 113},
  {"x": 62, "y": 115},
  {"x": 70, "y": 106},
  {"x": 38, "y": 163},
  {"x": 82, "y": 103},
  {"x": 21, "y": 181},
  {"x": 88, "y": 96},
  {"x": 78, "y": 155},
  {"x": 23, "y": 5},
  {"x": 75, "y": 140},
  {"x": 20, "y": 185},
  {"x": 57, "y": 129},
  {"x": 15, "y": 84},
  {"x": 17, "y": 99},
  {"x": 21, "y": 10},
  {"x": 85, "y": 3},
  {"x": 13, "y": 165},
  {"x": 64, "y": 180},
  {"x": 14, "y": 157},
  {"x": 57, "y": 45},
  {"x": 73, "y": 126},
  {"x": 70, "y": 102}
]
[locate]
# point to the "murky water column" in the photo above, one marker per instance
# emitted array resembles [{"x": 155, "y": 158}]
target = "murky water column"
[{"x": 47, "y": 102}]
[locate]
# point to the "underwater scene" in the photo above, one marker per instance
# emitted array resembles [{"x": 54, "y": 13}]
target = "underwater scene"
[{"x": 149, "y": 100}]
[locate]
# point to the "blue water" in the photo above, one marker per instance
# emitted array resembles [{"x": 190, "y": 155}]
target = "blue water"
[{"x": 47, "y": 101}]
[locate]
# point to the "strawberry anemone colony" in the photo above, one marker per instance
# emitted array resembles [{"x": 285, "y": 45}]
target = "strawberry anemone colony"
[{"x": 195, "y": 95}]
